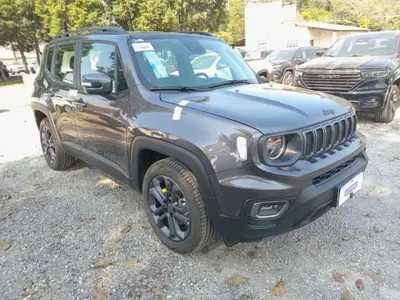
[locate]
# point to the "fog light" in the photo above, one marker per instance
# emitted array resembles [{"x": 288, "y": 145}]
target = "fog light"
[{"x": 263, "y": 210}]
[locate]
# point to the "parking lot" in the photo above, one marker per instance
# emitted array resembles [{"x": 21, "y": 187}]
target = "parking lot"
[{"x": 78, "y": 235}]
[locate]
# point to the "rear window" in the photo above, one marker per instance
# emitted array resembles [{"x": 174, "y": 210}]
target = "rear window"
[{"x": 64, "y": 66}]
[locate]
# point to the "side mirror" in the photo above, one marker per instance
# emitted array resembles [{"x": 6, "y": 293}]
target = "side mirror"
[{"x": 97, "y": 83}]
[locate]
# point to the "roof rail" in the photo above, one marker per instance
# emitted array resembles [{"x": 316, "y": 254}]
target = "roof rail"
[
  {"x": 94, "y": 30},
  {"x": 197, "y": 32}
]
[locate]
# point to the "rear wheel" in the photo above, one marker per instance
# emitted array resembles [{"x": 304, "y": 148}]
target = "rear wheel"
[
  {"x": 287, "y": 78},
  {"x": 387, "y": 113},
  {"x": 175, "y": 208},
  {"x": 55, "y": 157}
]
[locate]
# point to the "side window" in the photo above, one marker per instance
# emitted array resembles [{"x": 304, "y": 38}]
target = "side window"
[
  {"x": 301, "y": 54},
  {"x": 311, "y": 53},
  {"x": 64, "y": 66},
  {"x": 49, "y": 59},
  {"x": 101, "y": 58}
]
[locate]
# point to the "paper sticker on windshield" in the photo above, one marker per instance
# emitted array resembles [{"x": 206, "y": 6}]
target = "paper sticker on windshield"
[
  {"x": 140, "y": 47},
  {"x": 156, "y": 64}
]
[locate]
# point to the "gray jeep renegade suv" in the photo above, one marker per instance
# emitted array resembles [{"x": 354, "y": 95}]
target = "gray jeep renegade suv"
[{"x": 181, "y": 118}]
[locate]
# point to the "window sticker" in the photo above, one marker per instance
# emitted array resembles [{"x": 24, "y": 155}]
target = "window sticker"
[
  {"x": 140, "y": 47},
  {"x": 156, "y": 64}
]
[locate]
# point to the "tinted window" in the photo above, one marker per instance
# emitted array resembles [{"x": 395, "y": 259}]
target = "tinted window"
[
  {"x": 285, "y": 54},
  {"x": 49, "y": 59},
  {"x": 64, "y": 67},
  {"x": 311, "y": 53},
  {"x": 365, "y": 45},
  {"x": 301, "y": 54},
  {"x": 101, "y": 58}
]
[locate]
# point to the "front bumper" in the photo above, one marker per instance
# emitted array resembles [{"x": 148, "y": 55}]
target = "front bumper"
[
  {"x": 306, "y": 198},
  {"x": 368, "y": 101}
]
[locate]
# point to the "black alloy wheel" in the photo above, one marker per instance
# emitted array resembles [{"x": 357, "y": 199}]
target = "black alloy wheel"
[
  {"x": 48, "y": 146},
  {"x": 169, "y": 208}
]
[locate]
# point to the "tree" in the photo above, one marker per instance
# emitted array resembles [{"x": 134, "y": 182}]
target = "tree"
[
  {"x": 233, "y": 29},
  {"x": 17, "y": 27}
]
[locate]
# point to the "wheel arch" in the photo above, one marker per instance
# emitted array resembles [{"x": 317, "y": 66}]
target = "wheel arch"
[{"x": 139, "y": 164}]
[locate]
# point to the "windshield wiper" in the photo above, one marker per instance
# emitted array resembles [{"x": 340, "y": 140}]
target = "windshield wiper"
[
  {"x": 328, "y": 55},
  {"x": 357, "y": 55},
  {"x": 229, "y": 82},
  {"x": 175, "y": 88}
]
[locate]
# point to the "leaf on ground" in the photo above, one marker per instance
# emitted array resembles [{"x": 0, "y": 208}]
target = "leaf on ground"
[
  {"x": 28, "y": 285},
  {"x": 374, "y": 276},
  {"x": 5, "y": 245},
  {"x": 339, "y": 277},
  {"x": 158, "y": 291},
  {"x": 254, "y": 254},
  {"x": 27, "y": 293},
  {"x": 279, "y": 289},
  {"x": 131, "y": 264},
  {"x": 359, "y": 284},
  {"x": 103, "y": 263},
  {"x": 236, "y": 280},
  {"x": 108, "y": 182},
  {"x": 347, "y": 295},
  {"x": 52, "y": 224},
  {"x": 98, "y": 292},
  {"x": 126, "y": 228}
]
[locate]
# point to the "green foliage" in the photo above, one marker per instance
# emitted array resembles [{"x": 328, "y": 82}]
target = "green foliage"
[
  {"x": 233, "y": 29},
  {"x": 316, "y": 14}
]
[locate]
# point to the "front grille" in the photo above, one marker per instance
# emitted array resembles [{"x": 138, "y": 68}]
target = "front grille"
[
  {"x": 333, "y": 172},
  {"x": 331, "y": 82},
  {"x": 327, "y": 136}
]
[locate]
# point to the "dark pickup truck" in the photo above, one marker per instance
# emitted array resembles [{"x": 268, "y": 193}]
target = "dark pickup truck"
[
  {"x": 363, "y": 69},
  {"x": 210, "y": 151}
]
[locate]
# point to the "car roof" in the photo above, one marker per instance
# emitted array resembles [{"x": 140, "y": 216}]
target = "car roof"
[{"x": 109, "y": 33}]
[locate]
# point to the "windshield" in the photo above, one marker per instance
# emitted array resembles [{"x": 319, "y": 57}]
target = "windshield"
[
  {"x": 365, "y": 45},
  {"x": 164, "y": 61},
  {"x": 285, "y": 54}
]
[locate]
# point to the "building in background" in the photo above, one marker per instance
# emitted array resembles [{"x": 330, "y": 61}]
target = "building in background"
[{"x": 275, "y": 25}]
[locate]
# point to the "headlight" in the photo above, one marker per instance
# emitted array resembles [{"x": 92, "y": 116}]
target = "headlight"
[
  {"x": 298, "y": 73},
  {"x": 275, "y": 147},
  {"x": 374, "y": 74},
  {"x": 280, "y": 150}
]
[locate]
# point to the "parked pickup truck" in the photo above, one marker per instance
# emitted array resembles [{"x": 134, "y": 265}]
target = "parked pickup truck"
[
  {"x": 364, "y": 69},
  {"x": 279, "y": 66}
]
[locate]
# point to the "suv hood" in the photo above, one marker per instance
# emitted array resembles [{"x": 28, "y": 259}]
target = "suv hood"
[
  {"x": 363, "y": 62},
  {"x": 266, "y": 107}
]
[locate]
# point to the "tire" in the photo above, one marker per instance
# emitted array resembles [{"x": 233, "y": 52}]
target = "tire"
[
  {"x": 287, "y": 78},
  {"x": 387, "y": 113},
  {"x": 200, "y": 232},
  {"x": 56, "y": 158}
]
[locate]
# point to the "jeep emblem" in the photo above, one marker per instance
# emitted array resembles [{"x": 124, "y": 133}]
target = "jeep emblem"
[{"x": 328, "y": 112}]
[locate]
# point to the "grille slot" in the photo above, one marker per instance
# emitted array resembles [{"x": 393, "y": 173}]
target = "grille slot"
[
  {"x": 334, "y": 82},
  {"x": 333, "y": 172},
  {"x": 323, "y": 138}
]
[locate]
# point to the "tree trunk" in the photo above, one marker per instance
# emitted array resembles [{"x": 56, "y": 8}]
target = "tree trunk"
[
  {"x": 21, "y": 51},
  {"x": 13, "y": 51},
  {"x": 3, "y": 76},
  {"x": 37, "y": 49}
]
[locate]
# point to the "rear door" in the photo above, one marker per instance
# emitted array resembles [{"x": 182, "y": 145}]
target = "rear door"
[{"x": 102, "y": 118}]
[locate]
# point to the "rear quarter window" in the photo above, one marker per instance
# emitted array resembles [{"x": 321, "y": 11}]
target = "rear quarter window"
[{"x": 49, "y": 59}]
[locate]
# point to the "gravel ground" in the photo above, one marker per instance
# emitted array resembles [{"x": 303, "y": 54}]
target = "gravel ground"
[{"x": 78, "y": 235}]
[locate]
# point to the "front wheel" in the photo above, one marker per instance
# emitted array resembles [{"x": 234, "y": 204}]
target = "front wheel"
[
  {"x": 175, "y": 208},
  {"x": 387, "y": 113},
  {"x": 287, "y": 78}
]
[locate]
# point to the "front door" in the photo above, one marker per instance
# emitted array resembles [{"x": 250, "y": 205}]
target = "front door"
[
  {"x": 60, "y": 76},
  {"x": 102, "y": 119}
]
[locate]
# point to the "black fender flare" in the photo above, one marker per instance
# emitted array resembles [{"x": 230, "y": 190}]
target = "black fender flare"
[
  {"x": 262, "y": 71},
  {"x": 183, "y": 155},
  {"x": 43, "y": 109}
]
